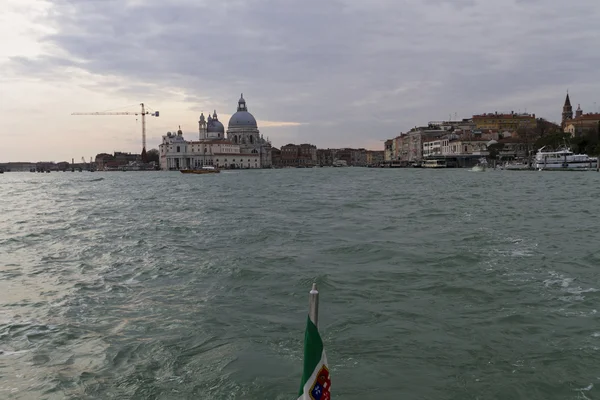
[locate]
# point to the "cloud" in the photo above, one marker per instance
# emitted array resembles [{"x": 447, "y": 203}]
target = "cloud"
[{"x": 340, "y": 72}]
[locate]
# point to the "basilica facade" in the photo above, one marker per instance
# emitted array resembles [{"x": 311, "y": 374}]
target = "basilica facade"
[{"x": 243, "y": 147}]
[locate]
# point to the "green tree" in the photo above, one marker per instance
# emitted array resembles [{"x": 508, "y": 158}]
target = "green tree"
[
  {"x": 494, "y": 150},
  {"x": 553, "y": 140},
  {"x": 544, "y": 127},
  {"x": 152, "y": 155}
]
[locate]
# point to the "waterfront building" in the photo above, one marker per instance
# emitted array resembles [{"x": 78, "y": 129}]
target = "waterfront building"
[
  {"x": 326, "y": 157},
  {"x": 496, "y": 121},
  {"x": 243, "y": 147},
  {"x": 105, "y": 161},
  {"x": 388, "y": 150},
  {"x": 412, "y": 146},
  {"x": 512, "y": 148},
  {"x": 432, "y": 148},
  {"x": 582, "y": 123},
  {"x": 464, "y": 146},
  {"x": 374, "y": 157},
  {"x": 275, "y": 157},
  {"x": 298, "y": 155}
]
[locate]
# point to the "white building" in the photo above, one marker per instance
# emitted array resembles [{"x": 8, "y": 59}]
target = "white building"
[
  {"x": 243, "y": 130},
  {"x": 432, "y": 148},
  {"x": 243, "y": 148}
]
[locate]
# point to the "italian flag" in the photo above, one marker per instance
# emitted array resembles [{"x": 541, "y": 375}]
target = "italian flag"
[{"x": 315, "y": 384}]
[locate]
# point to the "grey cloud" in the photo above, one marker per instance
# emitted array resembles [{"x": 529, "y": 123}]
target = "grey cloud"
[{"x": 352, "y": 70}]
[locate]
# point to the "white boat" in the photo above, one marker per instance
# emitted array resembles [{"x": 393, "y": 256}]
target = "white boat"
[
  {"x": 515, "y": 166},
  {"x": 563, "y": 159},
  {"x": 481, "y": 165},
  {"x": 434, "y": 164}
]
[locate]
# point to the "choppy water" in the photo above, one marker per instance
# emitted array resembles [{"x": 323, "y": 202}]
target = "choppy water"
[{"x": 434, "y": 284}]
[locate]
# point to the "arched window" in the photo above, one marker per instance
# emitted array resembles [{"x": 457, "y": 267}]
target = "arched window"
[{"x": 235, "y": 139}]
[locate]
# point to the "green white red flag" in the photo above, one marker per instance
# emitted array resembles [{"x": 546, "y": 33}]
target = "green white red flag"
[{"x": 315, "y": 384}]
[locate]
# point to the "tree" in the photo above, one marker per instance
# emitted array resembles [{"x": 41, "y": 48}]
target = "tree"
[
  {"x": 544, "y": 127},
  {"x": 494, "y": 150},
  {"x": 152, "y": 155},
  {"x": 587, "y": 142},
  {"x": 553, "y": 140},
  {"x": 528, "y": 135}
]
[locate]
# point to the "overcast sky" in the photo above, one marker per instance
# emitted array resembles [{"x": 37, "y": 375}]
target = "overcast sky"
[{"x": 329, "y": 72}]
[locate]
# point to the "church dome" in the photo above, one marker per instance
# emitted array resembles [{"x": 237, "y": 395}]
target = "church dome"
[
  {"x": 214, "y": 125},
  {"x": 242, "y": 118}
]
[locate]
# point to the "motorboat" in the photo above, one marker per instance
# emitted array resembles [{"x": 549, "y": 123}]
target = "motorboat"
[
  {"x": 207, "y": 169},
  {"x": 481, "y": 165},
  {"x": 563, "y": 159},
  {"x": 434, "y": 164}
]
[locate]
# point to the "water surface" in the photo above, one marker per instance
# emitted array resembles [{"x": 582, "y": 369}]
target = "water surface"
[{"x": 442, "y": 284}]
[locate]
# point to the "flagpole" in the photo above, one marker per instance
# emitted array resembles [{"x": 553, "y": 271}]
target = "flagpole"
[{"x": 313, "y": 305}]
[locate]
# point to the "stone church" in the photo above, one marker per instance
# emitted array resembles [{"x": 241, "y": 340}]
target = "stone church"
[{"x": 243, "y": 147}]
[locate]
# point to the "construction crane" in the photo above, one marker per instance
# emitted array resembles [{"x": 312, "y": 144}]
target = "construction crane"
[{"x": 143, "y": 114}]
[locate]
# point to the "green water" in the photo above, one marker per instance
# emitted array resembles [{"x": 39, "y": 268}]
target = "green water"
[{"x": 442, "y": 284}]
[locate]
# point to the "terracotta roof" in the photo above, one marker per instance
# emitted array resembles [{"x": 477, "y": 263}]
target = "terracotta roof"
[{"x": 587, "y": 117}]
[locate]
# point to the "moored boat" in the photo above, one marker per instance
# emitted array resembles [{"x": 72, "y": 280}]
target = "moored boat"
[
  {"x": 207, "y": 169},
  {"x": 434, "y": 164},
  {"x": 515, "y": 166},
  {"x": 563, "y": 159}
]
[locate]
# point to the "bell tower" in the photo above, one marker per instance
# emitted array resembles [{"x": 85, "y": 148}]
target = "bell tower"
[
  {"x": 567, "y": 113},
  {"x": 202, "y": 127}
]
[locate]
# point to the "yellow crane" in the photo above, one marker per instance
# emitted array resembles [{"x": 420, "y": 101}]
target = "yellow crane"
[{"x": 143, "y": 114}]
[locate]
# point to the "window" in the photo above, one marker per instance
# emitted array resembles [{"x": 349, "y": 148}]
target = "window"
[{"x": 178, "y": 149}]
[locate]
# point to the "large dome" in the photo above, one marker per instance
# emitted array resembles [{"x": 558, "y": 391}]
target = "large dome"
[{"x": 242, "y": 119}]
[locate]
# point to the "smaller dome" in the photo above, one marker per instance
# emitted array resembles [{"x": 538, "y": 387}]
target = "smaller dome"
[{"x": 214, "y": 125}]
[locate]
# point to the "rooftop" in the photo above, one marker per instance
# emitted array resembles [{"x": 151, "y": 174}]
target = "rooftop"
[{"x": 512, "y": 114}]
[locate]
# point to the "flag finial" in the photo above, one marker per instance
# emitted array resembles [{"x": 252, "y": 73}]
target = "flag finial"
[{"x": 313, "y": 305}]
